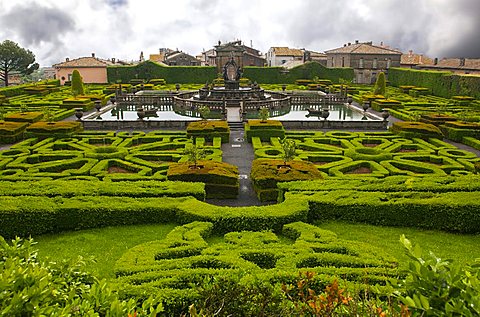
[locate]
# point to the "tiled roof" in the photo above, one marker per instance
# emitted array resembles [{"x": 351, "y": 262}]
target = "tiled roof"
[
  {"x": 415, "y": 59},
  {"x": 84, "y": 62},
  {"x": 473, "y": 63},
  {"x": 286, "y": 51},
  {"x": 362, "y": 48},
  {"x": 317, "y": 54}
]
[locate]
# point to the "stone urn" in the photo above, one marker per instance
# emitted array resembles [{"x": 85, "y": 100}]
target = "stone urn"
[
  {"x": 365, "y": 106},
  {"x": 325, "y": 113},
  {"x": 385, "y": 115},
  {"x": 79, "y": 113},
  {"x": 140, "y": 113},
  {"x": 284, "y": 87},
  {"x": 349, "y": 100},
  {"x": 113, "y": 99},
  {"x": 98, "y": 105},
  {"x": 177, "y": 87}
]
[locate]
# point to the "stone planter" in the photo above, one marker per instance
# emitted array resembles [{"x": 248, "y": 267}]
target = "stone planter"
[
  {"x": 79, "y": 113},
  {"x": 325, "y": 114},
  {"x": 140, "y": 113}
]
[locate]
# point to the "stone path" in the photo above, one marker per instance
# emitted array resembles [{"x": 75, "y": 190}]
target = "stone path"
[{"x": 240, "y": 153}]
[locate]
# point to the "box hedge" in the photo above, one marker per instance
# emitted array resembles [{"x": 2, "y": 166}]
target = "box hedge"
[{"x": 264, "y": 129}]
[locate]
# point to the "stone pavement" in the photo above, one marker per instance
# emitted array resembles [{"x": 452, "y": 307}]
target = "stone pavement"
[{"x": 240, "y": 153}]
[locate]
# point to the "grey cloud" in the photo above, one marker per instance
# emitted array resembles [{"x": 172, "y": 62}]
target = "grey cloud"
[
  {"x": 36, "y": 24},
  {"x": 117, "y": 3}
]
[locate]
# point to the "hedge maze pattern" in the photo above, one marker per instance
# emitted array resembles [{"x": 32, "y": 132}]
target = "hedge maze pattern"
[
  {"x": 360, "y": 154},
  {"x": 121, "y": 156},
  {"x": 186, "y": 257}
]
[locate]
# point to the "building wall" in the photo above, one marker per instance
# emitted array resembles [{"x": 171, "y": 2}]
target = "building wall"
[
  {"x": 89, "y": 75},
  {"x": 183, "y": 60},
  {"x": 365, "y": 71}
]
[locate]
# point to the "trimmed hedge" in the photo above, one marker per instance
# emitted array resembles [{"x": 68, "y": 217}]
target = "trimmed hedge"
[
  {"x": 11, "y": 132},
  {"x": 209, "y": 130},
  {"x": 264, "y": 130},
  {"x": 53, "y": 129},
  {"x": 221, "y": 179},
  {"x": 266, "y": 174},
  {"x": 456, "y": 212},
  {"x": 416, "y": 130},
  {"x": 173, "y": 74},
  {"x": 443, "y": 84},
  {"x": 29, "y": 117}
]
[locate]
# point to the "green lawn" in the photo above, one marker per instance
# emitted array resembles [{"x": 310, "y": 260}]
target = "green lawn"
[
  {"x": 106, "y": 245},
  {"x": 458, "y": 247}
]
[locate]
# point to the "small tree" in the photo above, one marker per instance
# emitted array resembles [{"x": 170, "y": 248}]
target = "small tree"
[
  {"x": 77, "y": 84},
  {"x": 204, "y": 112},
  {"x": 264, "y": 114},
  {"x": 289, "y": 150},
  {"x": 194, "y": 154},
  {"x": 380, "y": 85},
  {"x": 48, "y": 114}
]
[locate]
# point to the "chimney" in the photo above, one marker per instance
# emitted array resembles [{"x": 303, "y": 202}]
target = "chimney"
[
  {"x": 113, "y": 60},
  {"x": 410, "y": 52},
  {"x": 381, "y": 43},
  {"x": 93, "y": 55},
  {"x": 420, "y": 59},
  {"x": 435, "y": 61},
  {"x": 349, "y": 43},
  {"x": 344, "y": 45},
  {"x": 67, "y": 59},
  {"x": 356, "y": 41},
  {"x": 462, "y": 61}
]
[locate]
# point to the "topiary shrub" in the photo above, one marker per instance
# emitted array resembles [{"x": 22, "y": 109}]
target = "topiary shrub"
[
  {"x": 264, "y": 129},
  {"x": 369, "y": 154},
  {"x": 77, "y": 84},
  {"x": 266, "y": 174},
  {"x": 221, "y": 179},
  {"x": 409, "y": 129},
  {"x": 380, "y": 85},
  {"x": 209, "y": 130}
]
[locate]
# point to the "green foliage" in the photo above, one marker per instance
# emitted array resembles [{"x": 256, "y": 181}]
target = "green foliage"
[
  {"x": 209, "y": 130},
  {"x": 289, "y": 149},
  {"x": 443, "y": 84},
  {"x": 172, "y": 74},
  {"x": 436, "y": 287},
  {"x": 194, "y": 154},
  {"x": 77, "y": 84},
  {"x": 264, "y": 129},
  {"x": 380, "y": 85},
  {"x": 416, "y": 129},
  {"x": 204, "y": 112},
  {"x": 264, "y": 114},
  {"x": 31, "y": 287},
  {"x": 15, "y": 58}
]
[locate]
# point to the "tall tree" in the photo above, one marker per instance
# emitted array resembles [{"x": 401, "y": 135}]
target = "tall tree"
[
  {"x": 15, "y": 58},
  {"x": 77, "y": 84},
  {"x": 380, "y": 85}
]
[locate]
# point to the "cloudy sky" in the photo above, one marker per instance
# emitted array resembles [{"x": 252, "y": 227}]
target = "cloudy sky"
[{"x": 55, "y": 29}]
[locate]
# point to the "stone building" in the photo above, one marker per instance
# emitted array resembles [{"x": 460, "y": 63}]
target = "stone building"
[
  {"x": 279, "y": 56},
  {"x": 455, "y": 65},
  {"x": 179, "y": 58},
  {"x": 412, "y": 60},
  {"x": 366, "y": 59},
  {"x": 92, "y": 69},
  {"x": 242, "y": 55}
]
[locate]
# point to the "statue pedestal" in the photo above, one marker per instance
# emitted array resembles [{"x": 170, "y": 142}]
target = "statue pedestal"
[{"x": 232, "y": 84}]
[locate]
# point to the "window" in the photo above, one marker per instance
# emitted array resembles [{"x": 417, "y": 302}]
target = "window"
[
  {"x": 360, "y": 63},
  {"x": 343, "y": 61},
  {"x": 389, "y": 62},
  {"x": 333, "y": 62},
  {"x": 284, "y": 61},
  {"x": 69, "y": 77},
  {"x": 375, "y": 63}
]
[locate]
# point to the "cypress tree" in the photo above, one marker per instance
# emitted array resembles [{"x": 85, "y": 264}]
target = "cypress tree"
[
  {"x": 77, "y": 84},
  {"x": 380, "y": 85}
]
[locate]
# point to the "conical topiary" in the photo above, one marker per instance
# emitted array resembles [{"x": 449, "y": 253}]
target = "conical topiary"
[
  {"x": 380, "y": 85},
  {"x": 77, "y": 84}
]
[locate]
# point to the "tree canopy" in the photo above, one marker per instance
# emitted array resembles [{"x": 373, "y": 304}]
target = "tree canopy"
[{"x": 15, "y": 58}]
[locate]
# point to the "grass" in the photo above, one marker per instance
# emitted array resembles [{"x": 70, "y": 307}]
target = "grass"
[
  {"x": 462, "y": 249},
  {"x": 106, "y": 245}
]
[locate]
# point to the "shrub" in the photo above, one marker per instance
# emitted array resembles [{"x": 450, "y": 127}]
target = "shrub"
[
  {"x": 209, "y": 130},
  {"x": 11, "y": 132},
  {"x": 29, "y": 117},
  {"x": 77, "y": 84},
  {"x": 221, "y": 179},
  {"x": 266, "y": 174},
  {"x": 264, "y": 130},
  {"x": 63, "y": 129},
  {"x": 380, "y": 85},
  {"x": 416, "y": 129}
]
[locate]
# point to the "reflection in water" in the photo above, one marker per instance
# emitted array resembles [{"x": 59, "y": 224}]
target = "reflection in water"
[{"x": 336, "y": 113}]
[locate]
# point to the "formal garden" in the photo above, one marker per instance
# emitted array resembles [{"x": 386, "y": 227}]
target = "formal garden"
[{"x": 127, "y": 222}]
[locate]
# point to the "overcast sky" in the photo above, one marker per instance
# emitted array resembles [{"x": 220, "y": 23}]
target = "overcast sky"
[{"x": 55, "y": 29}]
